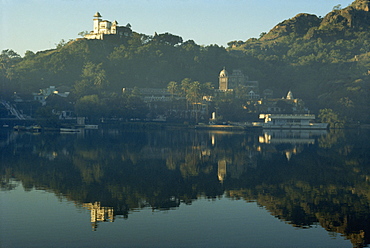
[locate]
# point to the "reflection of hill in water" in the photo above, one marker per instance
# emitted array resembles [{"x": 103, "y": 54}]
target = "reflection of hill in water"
[{"x": 323, "y": 181}]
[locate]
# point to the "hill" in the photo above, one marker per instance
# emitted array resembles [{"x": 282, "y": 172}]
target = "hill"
[{"x": 324, "y": 61}]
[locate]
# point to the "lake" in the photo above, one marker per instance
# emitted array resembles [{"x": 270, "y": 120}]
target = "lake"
[{"x": 185, "y": 188}]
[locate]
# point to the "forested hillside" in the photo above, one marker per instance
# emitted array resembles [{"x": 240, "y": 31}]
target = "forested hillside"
[{"x": 324, "y": 60}]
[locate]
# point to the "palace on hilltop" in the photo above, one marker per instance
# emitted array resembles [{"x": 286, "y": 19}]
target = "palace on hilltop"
[{"x": 104, "y": 29}]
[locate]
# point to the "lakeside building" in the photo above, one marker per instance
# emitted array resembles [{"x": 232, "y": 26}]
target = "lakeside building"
[
  {"x": 287, "y": 104},
  {"x": 236, "y": 84},
  {"x": 152, "y": 94},
  {"x": 166, "y": 105},
  {"x": 230, "y": 82},
  {"x": 157, "y": 100},
  {"x": 46, "y": 92}
]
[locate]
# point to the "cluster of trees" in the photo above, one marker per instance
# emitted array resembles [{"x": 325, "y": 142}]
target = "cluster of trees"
[
  {"x": 193, "y": 92},
  {"x": 324, "y": 61},
  {"x": 141, "y": 61},
  {"x": 228, "y": 106},
  {"x": 125, "y": 106}
]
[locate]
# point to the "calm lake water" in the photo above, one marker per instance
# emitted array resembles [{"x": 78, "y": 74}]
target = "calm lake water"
[{"x": 185, "y": 188}]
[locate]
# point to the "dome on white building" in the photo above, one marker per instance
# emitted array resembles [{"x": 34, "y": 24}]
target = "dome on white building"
[
  {"x": 289, "y": 96},
  {"x": 223, "y": 73}
]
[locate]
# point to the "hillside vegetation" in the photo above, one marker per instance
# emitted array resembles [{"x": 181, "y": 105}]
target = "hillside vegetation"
[{"x": 324, "y": 60}]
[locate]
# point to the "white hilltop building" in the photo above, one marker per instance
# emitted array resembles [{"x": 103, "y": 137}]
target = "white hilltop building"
[{"x": 103, "y": 29}]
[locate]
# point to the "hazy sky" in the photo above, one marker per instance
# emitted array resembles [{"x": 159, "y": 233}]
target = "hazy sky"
[{"x": 41, "y": 24}]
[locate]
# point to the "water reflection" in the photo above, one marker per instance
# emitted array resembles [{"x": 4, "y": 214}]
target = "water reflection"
[
  {"x": 303, "y": 178},
  {"x": 99, "y": 213}
]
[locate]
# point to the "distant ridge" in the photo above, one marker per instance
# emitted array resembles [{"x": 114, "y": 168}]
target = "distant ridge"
[
  {"x": 300, "y": 24},
  {"x": 356, "y": 16}
]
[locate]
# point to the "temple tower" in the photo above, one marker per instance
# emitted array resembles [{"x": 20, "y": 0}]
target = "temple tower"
[
  {"x": 97, "y": 20},
  {"x": 223, "y": 80}
]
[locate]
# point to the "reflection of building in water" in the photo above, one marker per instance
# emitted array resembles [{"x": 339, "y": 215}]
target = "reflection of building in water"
[
  {"x": 252, "y": 159},
  {"x": 290, "y": 152},
  {"x": 295, "y": 138},
  {"x": 221, "y": 170},
  {"x": 290, "y": 136},
  {"x": 230, "y": 165},
  {"x": 235, "y": 167},
  {"x": 99, "y": 214}
]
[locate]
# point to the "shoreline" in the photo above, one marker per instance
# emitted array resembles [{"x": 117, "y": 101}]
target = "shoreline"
[{"x": 149, "y": 125}]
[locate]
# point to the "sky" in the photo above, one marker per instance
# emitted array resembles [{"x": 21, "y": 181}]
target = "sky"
[{"x": 38, "y": 25}]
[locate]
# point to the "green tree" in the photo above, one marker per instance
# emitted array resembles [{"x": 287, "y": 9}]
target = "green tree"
[
  {"x": 172, "y": 88},
  {"x": 184, "y": 89},
  {"x": 46, "y": 117},
  {"x": 90, "y": 106},
  {"x": 61, "y": 44},
  {"x": 194, "y": 96},
  {"x": 83, "y": 33},
  {"x": 332, "y": 118},
  {"x": 8, "y": 60},
  {"x": 137, "y": 109},
  {"x": 337, "y": 7},
  {"x": 168, "y": 38},
  {"x": 29, "y": 54},
  {"x": 207, "y": 89},
  {"x": 93, "y": 80}
]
